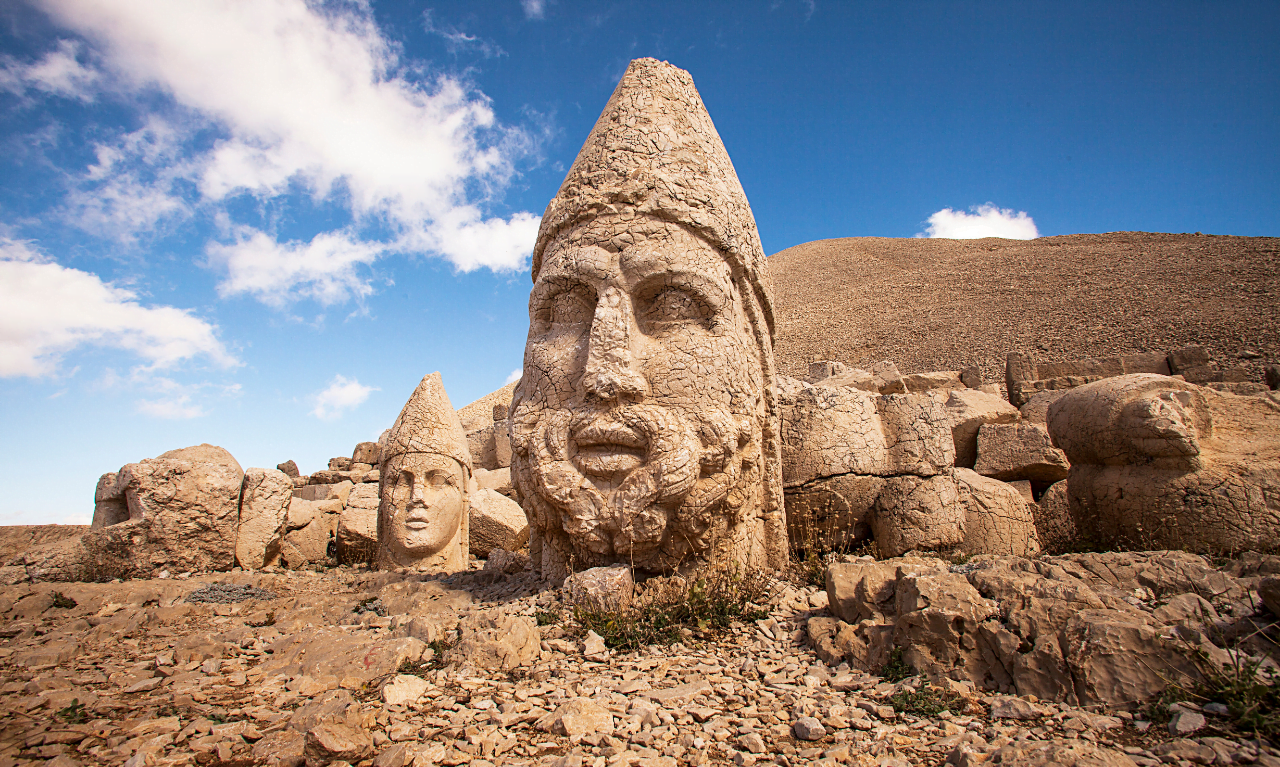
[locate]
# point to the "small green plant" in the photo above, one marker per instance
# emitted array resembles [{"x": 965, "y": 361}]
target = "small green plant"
[
  {"x": 896, "y": 669},
  {"x": 74, "y": 713},
  {"x": 704, "y": 606},
  {"x": 1250, "y": 692},
  {"x": 63, "y": 601},
  {"x": 926, "y": 701},
  {"x": 547, "y": 617}
]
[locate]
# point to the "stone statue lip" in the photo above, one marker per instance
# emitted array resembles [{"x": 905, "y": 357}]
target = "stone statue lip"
[{"x": 603, "y": 448}]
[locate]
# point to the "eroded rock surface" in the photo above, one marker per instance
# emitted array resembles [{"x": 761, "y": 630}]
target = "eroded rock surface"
[
  {"x": 1158, "y": 462},
  {"x": 344, "y": 665},
  {"x": 645, "y": 427}
]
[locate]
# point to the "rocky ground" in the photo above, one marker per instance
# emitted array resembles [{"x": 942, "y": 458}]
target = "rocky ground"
[
  {"x": 945, "y": 304},
  {"x": 368, "y": 668}
]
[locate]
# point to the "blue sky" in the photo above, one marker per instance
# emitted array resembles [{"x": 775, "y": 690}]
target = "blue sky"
[{"x": 260, "y": 224}]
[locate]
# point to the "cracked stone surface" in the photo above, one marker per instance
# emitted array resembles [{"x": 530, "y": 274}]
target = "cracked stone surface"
[
  {"x": 645, "y": 427},
  {"x": 1160, "y": 463},
  {"x": 425, "y": 476}
]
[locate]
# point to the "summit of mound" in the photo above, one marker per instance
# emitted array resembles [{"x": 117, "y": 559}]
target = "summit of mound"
[{"x": 937, "y": 304}]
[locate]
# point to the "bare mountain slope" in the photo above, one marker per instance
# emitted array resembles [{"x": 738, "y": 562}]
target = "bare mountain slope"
[{"x": 944, "y": 304}]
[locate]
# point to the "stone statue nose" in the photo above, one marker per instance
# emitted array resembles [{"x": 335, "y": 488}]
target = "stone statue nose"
[{"x": 610, "y": 372}]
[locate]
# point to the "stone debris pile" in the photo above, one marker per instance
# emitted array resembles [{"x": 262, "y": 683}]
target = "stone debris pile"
[{"x": 478, "y": 668}]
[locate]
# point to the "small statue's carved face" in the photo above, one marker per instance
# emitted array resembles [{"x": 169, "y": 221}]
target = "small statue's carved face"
[
  {"x": 422, "y": 504},
  {"x": 640, "y": 401}
]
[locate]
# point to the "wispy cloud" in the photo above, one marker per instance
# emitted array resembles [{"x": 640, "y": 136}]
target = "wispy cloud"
[
  {"x": 534, "y": 9},
  {"x": 46, "y": 310},
  {"x": 456, "y": 41},
  {"x": 297, "y": 97},
  {"x": 516, "y": 375},
  {"x": 341, "y": 395},
  {"x": 982, "y": 221},
  {"x": 59, "y": 72}
]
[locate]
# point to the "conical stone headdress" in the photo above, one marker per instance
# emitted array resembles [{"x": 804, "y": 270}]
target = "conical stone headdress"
[
  {"x": 428, "y": 424},
  {"x": 655, "y": 152}
]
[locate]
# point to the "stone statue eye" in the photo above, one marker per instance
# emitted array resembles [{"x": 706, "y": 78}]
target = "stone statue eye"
[
  {"x": 437, "y": 479},
  {"x": 567, "y": 304},
  {"x": 669, "y": 304}
]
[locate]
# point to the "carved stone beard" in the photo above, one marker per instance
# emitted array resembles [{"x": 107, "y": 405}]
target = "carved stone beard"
[{"x": 696, "y": 475}]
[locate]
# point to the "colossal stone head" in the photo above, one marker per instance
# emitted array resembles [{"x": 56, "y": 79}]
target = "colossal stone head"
[
  {"x": 425, "y": 472},
  {"x": 644, "y": 429}
]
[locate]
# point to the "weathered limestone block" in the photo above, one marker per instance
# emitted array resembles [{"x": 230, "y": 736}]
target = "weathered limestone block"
[
  {"x": 1158, "y": 463},
  {"x": 608, "y": 589},
  {"x": 497, "y": 522},
  {"x": 829, "y": 431},
  {"x": 495, "y": 479},
  {"x": 357, "y": 535},
  {"x": 423, "y": 522},
  {"x": 997, "y": 519},
  {"x": 109, "y": 505},
  {"x": 1019, "y": 451},
  {"x": 1054, "y": 524},
  {"x": 367, "y": 453},
  {"x": 967, "y": 410},
  {"x": 1120, "y": 658},
  {"x": 183, "y": 509},
  {"x": 917, "y": 434},
  {"x": 645, "y": 428},
  {"x": 918, "y": 513},
  {"x": 882, "y": 378},
  {"x": 264, "y": 503},
  {"x": 496, "y": 642},
  {"x": 289, "y": 468},
  {"x": 937, "y": 380},
  {"x": 820, "y": 371}
]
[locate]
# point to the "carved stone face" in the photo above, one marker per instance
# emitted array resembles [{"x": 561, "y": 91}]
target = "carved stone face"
[
  {"x": 637, "y": 424},
  {"x": 421, "y": 512}
]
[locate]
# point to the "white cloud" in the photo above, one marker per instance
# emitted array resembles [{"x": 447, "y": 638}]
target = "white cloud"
[
  {"x": 76, "y": 519},
  {"x": 59, "y": 73},
  {"x": 516, "y": 375},
  {"x": 312, "y": 97},
  {"x": 46, "y": 310},
  {"x": 534, "y": 9},
  {"x": 340, "y": 396},
  {"x": 982, "y": 221},
  {"x": 326, "y": 269}
]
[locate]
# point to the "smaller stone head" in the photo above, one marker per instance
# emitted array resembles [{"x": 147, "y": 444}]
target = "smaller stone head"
[{"x": 425, "y": 473}]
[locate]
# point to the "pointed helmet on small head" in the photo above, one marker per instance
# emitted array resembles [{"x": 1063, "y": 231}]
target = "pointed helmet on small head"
[{"x": 429, "y": 424}]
